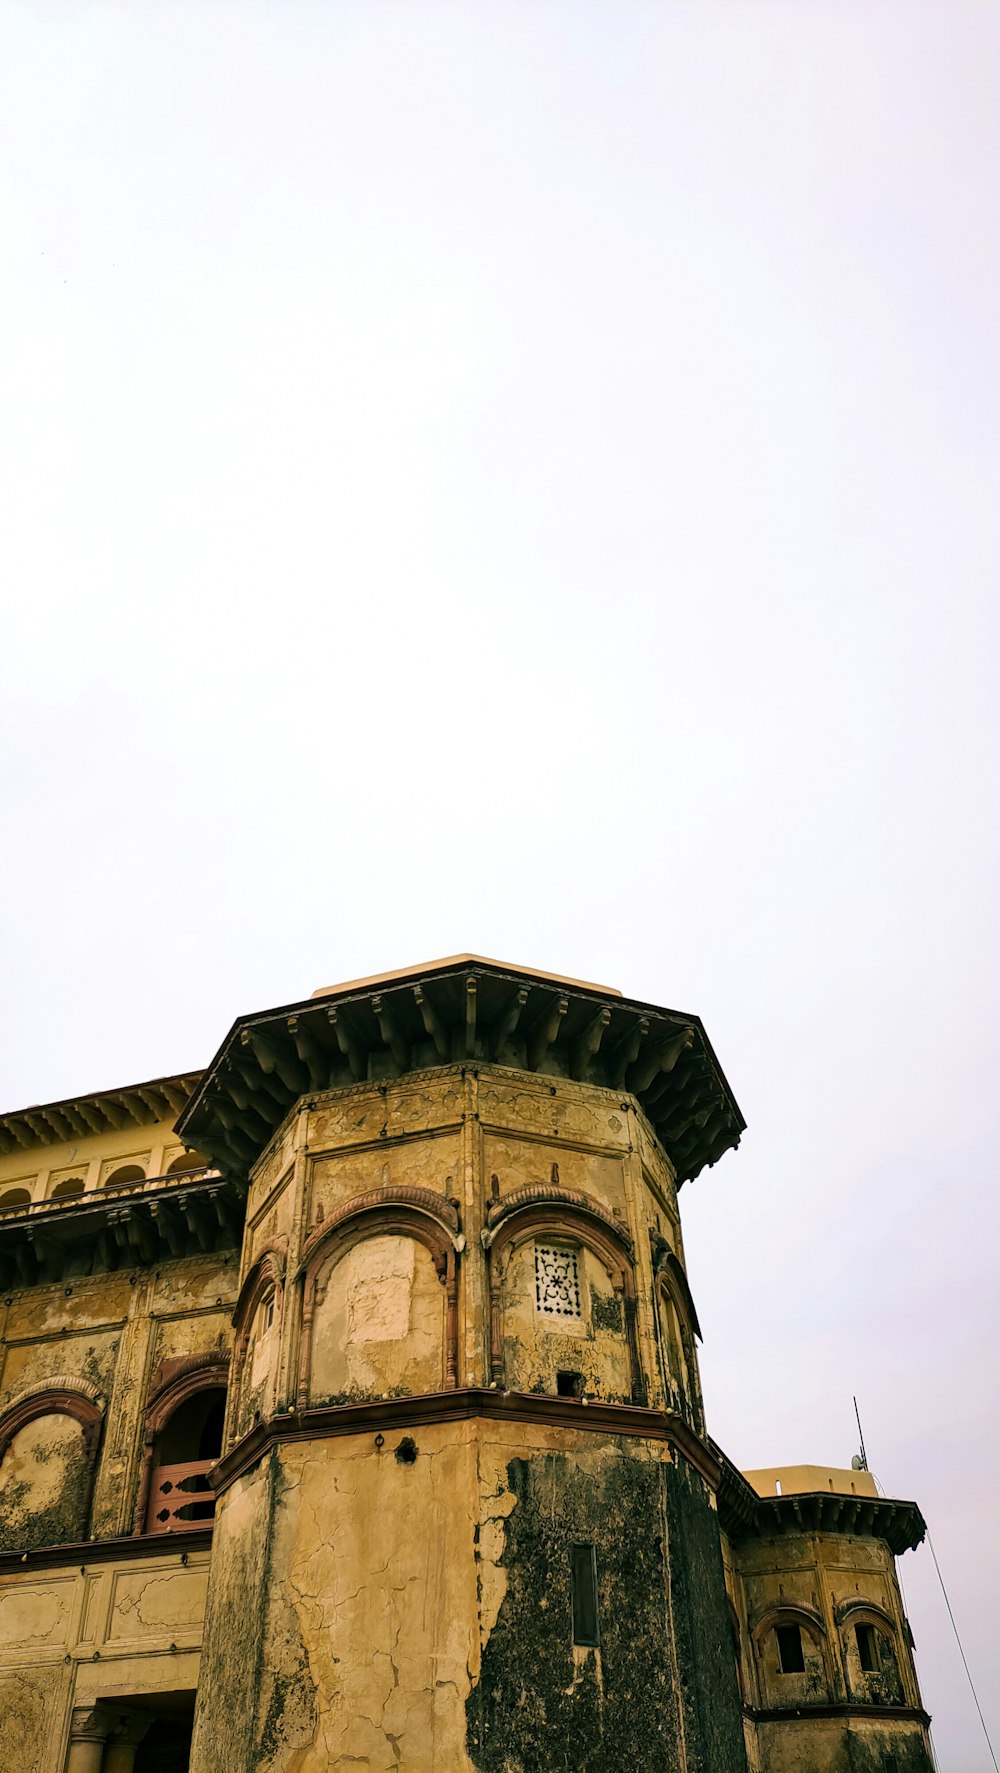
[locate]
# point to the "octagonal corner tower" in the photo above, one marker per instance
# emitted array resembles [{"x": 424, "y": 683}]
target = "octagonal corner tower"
[
  {"x": 467, "y": 1510},
  {"x": 352, "y": 1418}
]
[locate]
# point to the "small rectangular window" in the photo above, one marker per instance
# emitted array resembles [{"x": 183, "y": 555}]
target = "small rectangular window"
[
  {"x": 790, "y": 1655},
  {"x": 867, "y": 1649},
  {"x": 583, "y": 1567},
  {"x": 569, "y": 1384},
  {"x": 557, "y": 1281}
]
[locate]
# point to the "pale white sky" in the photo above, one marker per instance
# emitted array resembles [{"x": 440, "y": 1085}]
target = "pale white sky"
[{"x": 525, "y": 478}]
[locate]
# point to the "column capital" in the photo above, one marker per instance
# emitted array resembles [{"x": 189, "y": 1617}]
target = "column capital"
[
  {"x": 91, "y": 1723},
  {"x": 130, "y": 1727}
]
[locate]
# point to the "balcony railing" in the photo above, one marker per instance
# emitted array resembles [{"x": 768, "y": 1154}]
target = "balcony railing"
[{"x": 180, "y": 1497}]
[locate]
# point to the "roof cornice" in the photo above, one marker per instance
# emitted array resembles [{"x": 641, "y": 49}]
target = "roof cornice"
[
  {"x": 100, "y": 1112},
  {"x": 899, "y": 1524},
  {"x": 469, "y": 1013}
]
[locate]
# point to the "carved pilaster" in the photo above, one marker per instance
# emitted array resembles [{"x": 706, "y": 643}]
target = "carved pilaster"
[
  {"x": 474, "y": 1358},
  {"x": 113, "y": 1504}
]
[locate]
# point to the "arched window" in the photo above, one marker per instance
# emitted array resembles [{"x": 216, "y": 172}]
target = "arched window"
[
  {"x": 790, "y": 1644},
  {"x": 15, "y": 1197},
  {"x": 677, "y": 1327},
  {"x": 186, "y": 1162},
  {"x": 127, "y": 1173},
  {"x": 185, "y": 1423},
  {"x": 736, "y": 1637},
  {"x": 188, "y": 1445},
  {"x": 868, "y": 1637},
  {"x": 69, "y": 1186}
]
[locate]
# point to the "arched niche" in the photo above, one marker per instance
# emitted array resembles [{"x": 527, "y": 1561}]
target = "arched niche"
[
  {"x": 67, "y": 1188},
  {"x": 14, "y": 1197},
  {"x": 48, "y": 1445},
  {"x": 183, "y": 1427},
  {"x": 124, "y": 1175},
  {"x": 562, "y": 1298},
  {"x": 380, "y": 1299},
  {"x": 257, "y": 1320},
  {"x": 186, "y": 1162},
  {"x": 677, "y": 1327}
]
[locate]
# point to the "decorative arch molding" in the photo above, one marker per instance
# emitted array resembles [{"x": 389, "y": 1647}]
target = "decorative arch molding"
[
  {"x": 436, "y": 1207},
  {"x": 558, "y": 1213},
  {"x": 866, "y": 1612},
  {"x": 267, "y": 1270},
  {"x": 571, "y": 1200},
  {"x": 74, "y": 1383},
  {"x": 173, "y": 1383},
  {"x": 418, "y": 1213},
  {"x": 669, "y": 1272},
  {"x": 59, "y": 1396},
  {"x": 788, "y": 1615},
  {"x": 265, "y": 1275}
]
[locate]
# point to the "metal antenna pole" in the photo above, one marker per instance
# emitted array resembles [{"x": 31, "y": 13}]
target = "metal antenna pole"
[{"x": 861, "y": 1434}]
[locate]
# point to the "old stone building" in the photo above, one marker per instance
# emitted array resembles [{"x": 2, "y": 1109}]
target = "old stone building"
[{"x": 350, "y": 1418}]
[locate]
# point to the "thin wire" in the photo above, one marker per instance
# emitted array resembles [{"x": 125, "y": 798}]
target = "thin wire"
[
  {"x": 968, "y": 1671},
  {"x": 951, "y": 1616},
  {"x": 906, "y": 1609}
]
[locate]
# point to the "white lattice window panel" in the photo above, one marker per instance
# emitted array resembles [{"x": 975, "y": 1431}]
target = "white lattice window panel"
[{"x": 557, "y": 1281}]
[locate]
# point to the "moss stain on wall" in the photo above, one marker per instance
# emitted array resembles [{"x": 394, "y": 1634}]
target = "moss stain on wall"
[{"x": 541, "y": 1705}]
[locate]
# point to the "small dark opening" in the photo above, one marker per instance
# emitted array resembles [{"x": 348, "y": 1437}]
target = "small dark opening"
[
  {"x": 569, "y": 1384},
  {"x": 583, "y": 1567},
  {"x": 867, "y": 1647},
  {"x": 790, "y": 1654},
  {"x": 210, "y": 1439},
  {"x": 194, "y": 1431},
  {"x": 165, "y": 1744},
  {"x": 406, "y": 1452}
]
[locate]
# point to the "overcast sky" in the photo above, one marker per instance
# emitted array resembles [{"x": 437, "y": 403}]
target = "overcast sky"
[{"x": 524, "y": 478}]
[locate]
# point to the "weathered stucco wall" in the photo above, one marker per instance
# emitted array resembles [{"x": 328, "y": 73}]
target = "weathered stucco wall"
[
  {"x": 70, "y": 1635},
  {"x": 420, "y": 1589},
  {"x": 74, "y": 1631},
  {"x": 227, "y": 1719},
  {"x": 105, "y": 1337},
  {"x": 474, "y": 1138},
  {"x": 44, "y": 1484},
  {"x": 828, "y": 1584},
  {"x": 379, "y": 1325}
]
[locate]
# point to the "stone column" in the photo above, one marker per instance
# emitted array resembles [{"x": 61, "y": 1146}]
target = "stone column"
[
  {"x": 129, "y": 1732},
  {"x": 89, "y": 1728}
]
